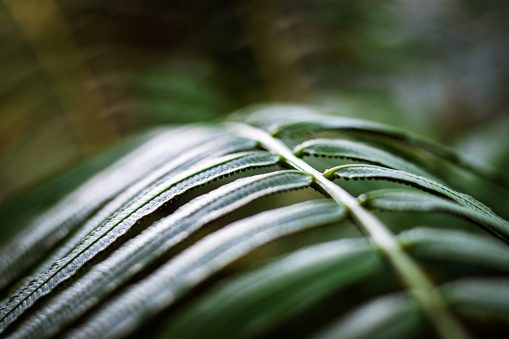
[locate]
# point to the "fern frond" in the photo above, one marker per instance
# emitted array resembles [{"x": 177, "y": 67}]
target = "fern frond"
[
  {"x": 133, "y": 245},
  {"x": 410, "y": 273}
]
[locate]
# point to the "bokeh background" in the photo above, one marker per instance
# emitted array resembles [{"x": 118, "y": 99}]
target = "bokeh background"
[{"x": 78, "y": 77}]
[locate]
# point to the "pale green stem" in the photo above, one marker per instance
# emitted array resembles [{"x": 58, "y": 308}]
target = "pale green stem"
[{"x": 410, "y": 273}]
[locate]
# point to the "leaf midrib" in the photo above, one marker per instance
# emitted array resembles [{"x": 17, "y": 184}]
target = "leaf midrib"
[{"x": 434, "y": 305}]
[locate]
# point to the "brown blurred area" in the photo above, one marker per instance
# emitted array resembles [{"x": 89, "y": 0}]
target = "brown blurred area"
[{"x": 79, "y": 76}]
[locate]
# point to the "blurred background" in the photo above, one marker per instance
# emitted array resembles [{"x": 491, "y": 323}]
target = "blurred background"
[{"x": 78, "y": 77}]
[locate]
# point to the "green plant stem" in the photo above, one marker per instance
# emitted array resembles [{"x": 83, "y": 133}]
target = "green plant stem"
[{"x": 409, "y": 272}]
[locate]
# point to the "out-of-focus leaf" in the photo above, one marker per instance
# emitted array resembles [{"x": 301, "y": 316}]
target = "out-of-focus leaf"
[
  {"x": 252, "y": 304},
  {"x": 486, "y": 296},
  {"x": 455, "y": 245},
  {"x": 394, "y": 316}
]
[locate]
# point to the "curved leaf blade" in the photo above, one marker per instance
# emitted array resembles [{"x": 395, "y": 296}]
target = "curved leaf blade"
[
  {"x": 150, "y": 244},
  {"x": 251, "y": 304},
  {"x": 287, "y": 120},
  {"x": 479, "y": 295},
  {"x": 393, "y": 316},
  {"x": 381, "y": 173},
  {"x": 138, "y": 191},
  {"x": 455, "y": 245},
  {"x": 121, "y": 222},
  {"x": 411, "y": 201},
  {"x": 355, "y": 150},
  {"x": 46, "y": 230}
]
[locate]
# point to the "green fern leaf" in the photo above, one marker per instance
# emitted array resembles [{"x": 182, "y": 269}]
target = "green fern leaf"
[
  {"x": 46, "y": 230},
  {"x": 487, "y": 297},
  {"x": 132, "y": 246},
  {"x": 375, "y": 172},
  {"x": 354, "y": 150},
  {"x": 157, "y": 180},
  {"x": 141, "y": 251},
  {"x": 411, "y": 201},
  {"x": 118, "y": 225},
  {"x": 455, "y": 245},
  {"x": 288, "y": 120}
]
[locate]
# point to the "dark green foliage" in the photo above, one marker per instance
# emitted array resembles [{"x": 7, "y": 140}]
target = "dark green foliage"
[{"x": 184, "y": 237}]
